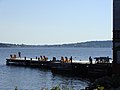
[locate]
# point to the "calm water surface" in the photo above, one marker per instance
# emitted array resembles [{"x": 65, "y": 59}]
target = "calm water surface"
[{"x": 36, "y": 79}]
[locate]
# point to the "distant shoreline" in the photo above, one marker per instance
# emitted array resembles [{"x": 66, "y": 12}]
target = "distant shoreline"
[{"x": 88, "y": 44}]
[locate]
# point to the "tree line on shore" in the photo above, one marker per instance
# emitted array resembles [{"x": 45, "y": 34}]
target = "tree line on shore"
[{"x": 91, "y": 44}]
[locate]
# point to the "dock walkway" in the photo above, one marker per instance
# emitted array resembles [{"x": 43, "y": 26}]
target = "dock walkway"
[{"x": 76, "y": 68}]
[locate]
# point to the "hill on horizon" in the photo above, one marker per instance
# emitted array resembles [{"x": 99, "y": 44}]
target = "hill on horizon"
[
  {"x": 91, "y": 44},
  {"x": 101, "y": 44}
]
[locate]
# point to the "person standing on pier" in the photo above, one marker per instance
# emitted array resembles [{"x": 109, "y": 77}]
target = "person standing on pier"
[
  {"x": 90, "y": 60},
  {"x": 19, "y": 54},
  {"x": 71, "y": 59}
]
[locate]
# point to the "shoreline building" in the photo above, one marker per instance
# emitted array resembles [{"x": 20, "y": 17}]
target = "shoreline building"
[{"x": 116, "y": 36}]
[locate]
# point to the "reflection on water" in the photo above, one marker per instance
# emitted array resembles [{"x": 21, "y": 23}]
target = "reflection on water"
[{"x": 35, "y": 79}]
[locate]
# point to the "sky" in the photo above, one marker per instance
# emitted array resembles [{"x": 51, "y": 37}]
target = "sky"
[{"x": 55, "y": 21}]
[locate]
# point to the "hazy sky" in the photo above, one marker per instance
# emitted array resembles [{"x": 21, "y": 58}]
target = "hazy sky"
[{"x": 55, "y": 21}]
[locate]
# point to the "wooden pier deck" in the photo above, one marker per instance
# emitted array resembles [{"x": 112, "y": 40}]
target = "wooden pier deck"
[
  {"x": 74, "y": 68},
  {"x": 28, "y": 62}
]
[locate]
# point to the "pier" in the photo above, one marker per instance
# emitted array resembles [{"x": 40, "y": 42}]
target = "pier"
[
  {"x": 28, "y": 62},
  {"x": 101, "y": 66}
]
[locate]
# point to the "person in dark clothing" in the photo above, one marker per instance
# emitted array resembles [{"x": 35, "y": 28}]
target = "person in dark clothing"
[
  {"x": 90, "y": 60},
  {"x": 19, "y": 54},
  {"x": 70, "y": 59}
]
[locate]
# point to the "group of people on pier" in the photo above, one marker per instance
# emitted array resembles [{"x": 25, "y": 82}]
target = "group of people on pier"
[
  {"x": 43, "y": 58},
  {"x": 15, "y": 56},
  {"x": 63, "y": 59}
]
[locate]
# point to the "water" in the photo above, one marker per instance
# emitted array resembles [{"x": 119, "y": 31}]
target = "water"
[{"x": 36, "y": 79}]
